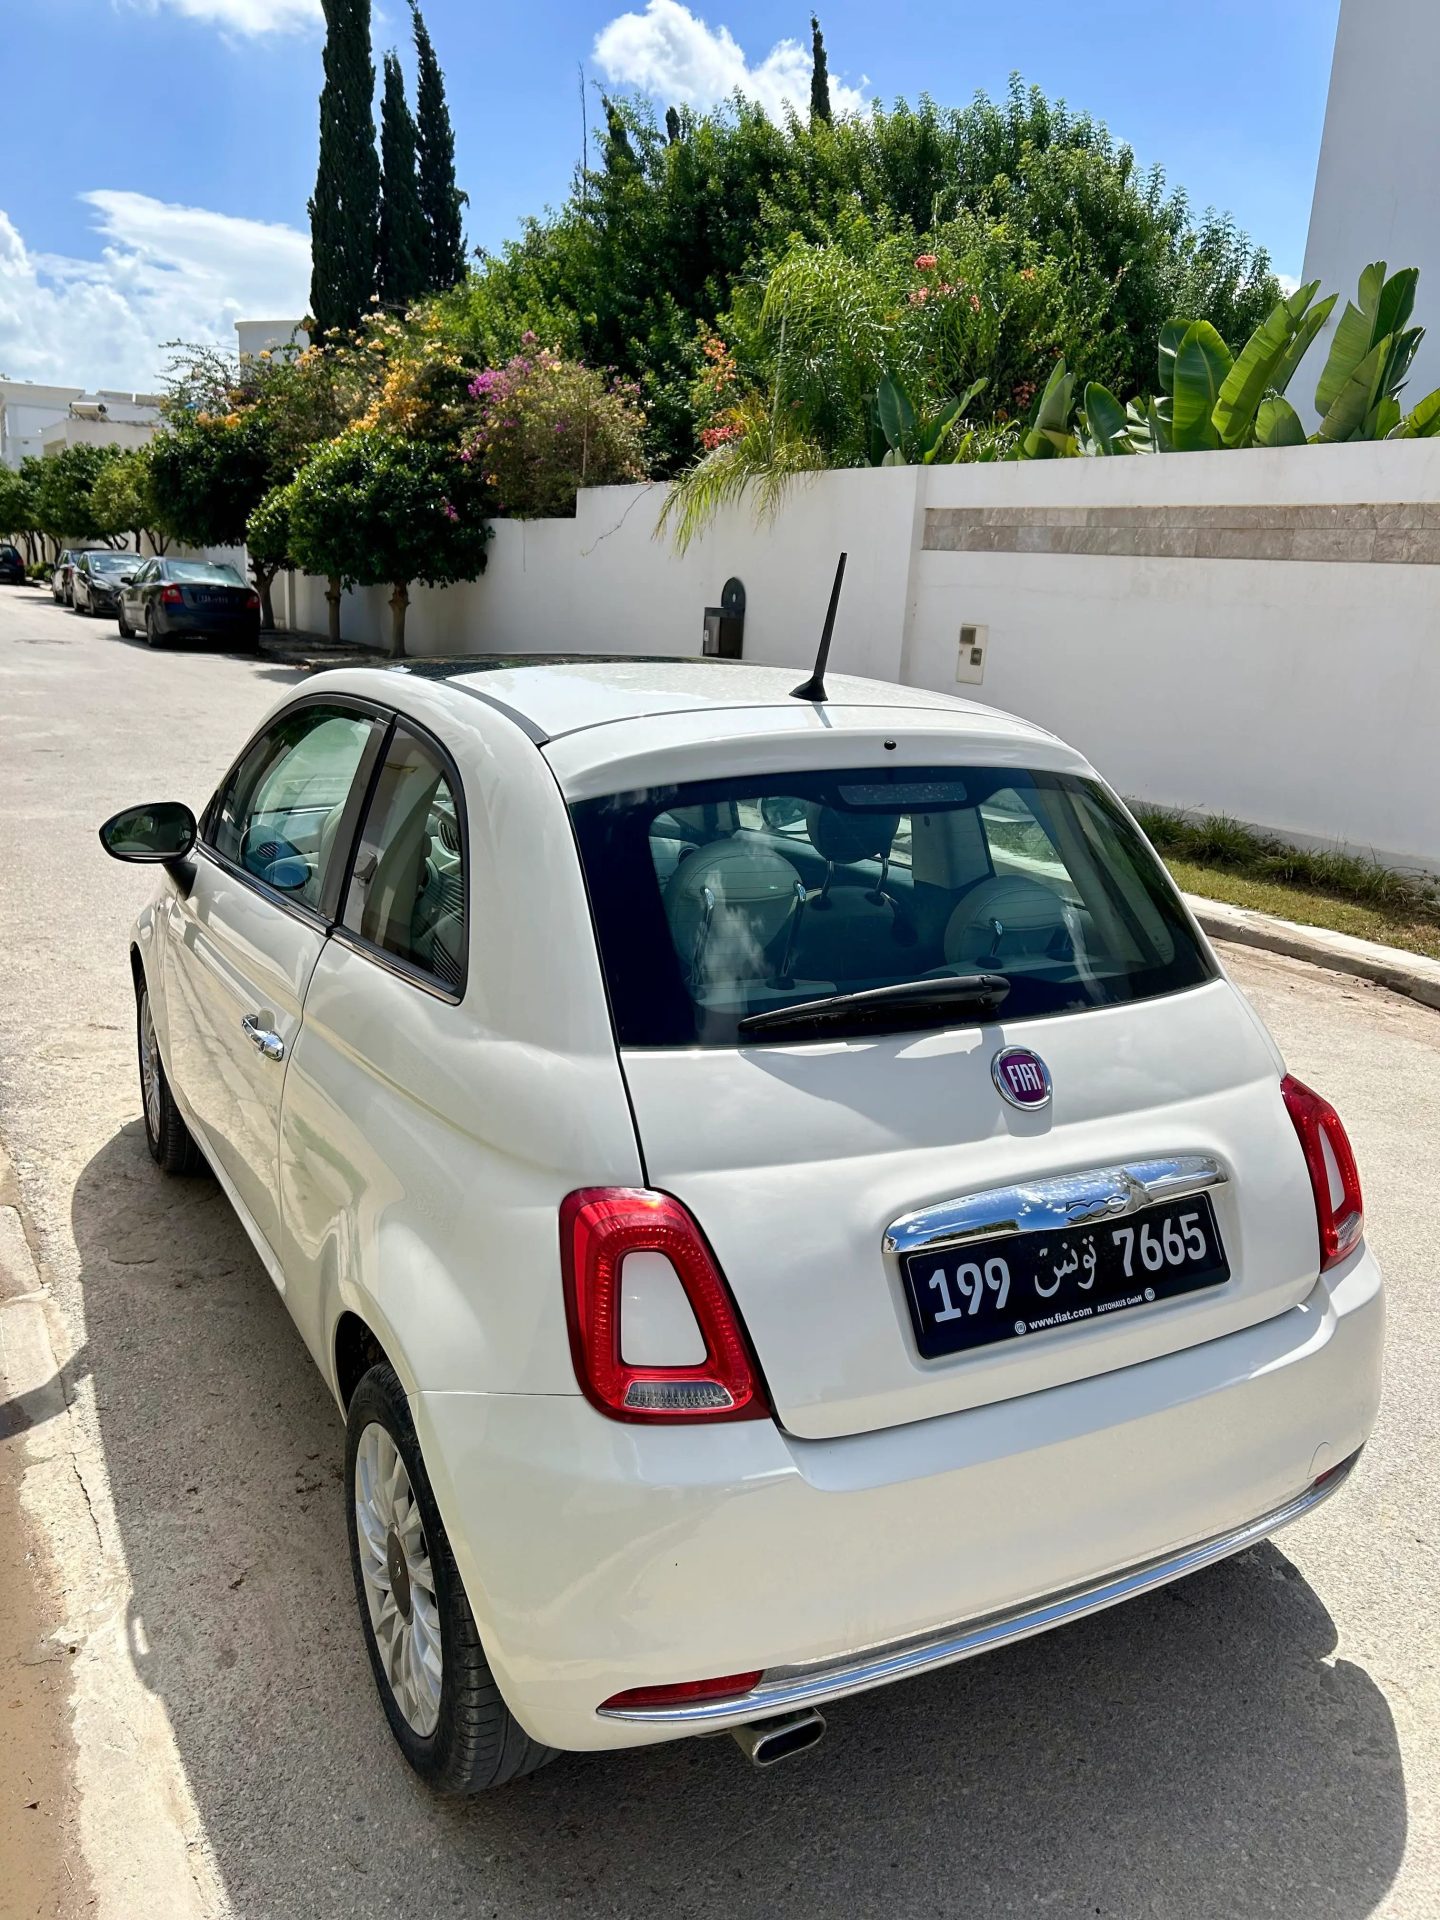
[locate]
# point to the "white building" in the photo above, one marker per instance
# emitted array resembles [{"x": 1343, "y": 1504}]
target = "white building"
[
  {"x": 37, "y": 419},
  {"x": 1375, "y": 192},
  {"x": 254, "y": 337}
]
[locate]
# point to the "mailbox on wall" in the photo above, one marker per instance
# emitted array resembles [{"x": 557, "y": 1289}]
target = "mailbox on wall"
[{"x": 725, "y": 624}]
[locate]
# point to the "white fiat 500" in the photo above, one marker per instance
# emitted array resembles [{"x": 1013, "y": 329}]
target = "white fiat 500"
[{"x": 781, "y": 1188}]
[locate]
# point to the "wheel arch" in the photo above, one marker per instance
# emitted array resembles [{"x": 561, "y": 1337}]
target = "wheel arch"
[{"x": 355, "y": 1347}]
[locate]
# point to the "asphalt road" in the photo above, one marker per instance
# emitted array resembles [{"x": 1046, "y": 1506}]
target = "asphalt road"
[{"x": 1263, "y": 1739}]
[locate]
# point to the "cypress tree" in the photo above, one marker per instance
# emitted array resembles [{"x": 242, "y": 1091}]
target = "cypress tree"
[
  {"x": 618, "y": 151},
  {"x": 819, "y": 75},
  {"x": 345, "y": 208},
  {"x": 440, "y": 200},
  {"x": 402, "y": 263}
]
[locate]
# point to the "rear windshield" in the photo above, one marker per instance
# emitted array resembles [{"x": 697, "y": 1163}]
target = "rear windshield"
[
  {"x": 721, "y": 899},
  {"x": 216, "y": 573}
]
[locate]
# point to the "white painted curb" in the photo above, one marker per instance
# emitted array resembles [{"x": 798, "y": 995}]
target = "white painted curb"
[{"x": 1408, "y": 973}]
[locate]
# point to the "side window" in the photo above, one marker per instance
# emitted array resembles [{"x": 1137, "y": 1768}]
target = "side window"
[
  {"x": 407, "y": 890},
  {"x": 278, "y": 814}
]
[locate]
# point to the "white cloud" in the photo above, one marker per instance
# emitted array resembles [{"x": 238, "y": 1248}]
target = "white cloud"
[
  {"x": 164, "y": 273},
  {"x": 248, "y": 17},
  {"x": 672, "y": 53}
]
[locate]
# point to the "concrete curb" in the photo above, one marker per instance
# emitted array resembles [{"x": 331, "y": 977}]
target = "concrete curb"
[{"x": 1408, "y": 973}]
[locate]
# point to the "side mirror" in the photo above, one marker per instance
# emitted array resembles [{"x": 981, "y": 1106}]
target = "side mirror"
[
  {"x": 126, "y": 578},
  {"x": 780, "y": 811},
  {"x": 160, "y": 833}
]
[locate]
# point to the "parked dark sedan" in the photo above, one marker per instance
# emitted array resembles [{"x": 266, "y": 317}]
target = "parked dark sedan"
[
  {"x": 166, "y": 598},
  {"x": 12, "y": 567},
  {"x": 95, "y": 587}
]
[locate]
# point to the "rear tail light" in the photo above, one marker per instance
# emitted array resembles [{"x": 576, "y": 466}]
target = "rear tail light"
[
  {"x": 172, "y": 597},
  {"x": 252, "y": 602},
  {"x": 599, "y": 1227},
  {"x": 683, "y": 1692},
  {"x": 1334, "y": 1180}
]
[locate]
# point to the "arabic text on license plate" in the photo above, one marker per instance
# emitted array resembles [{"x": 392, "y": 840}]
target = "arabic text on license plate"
[{"x": 1023, "y": 1283}]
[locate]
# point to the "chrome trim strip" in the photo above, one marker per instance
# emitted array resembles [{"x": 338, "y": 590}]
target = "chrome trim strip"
[
  {"x": 1049, "y": 1206},
  {"x": 784, "y": 1688}
]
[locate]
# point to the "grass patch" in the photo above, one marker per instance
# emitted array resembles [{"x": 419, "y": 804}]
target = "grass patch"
[{"x": 1318, "y": 887}]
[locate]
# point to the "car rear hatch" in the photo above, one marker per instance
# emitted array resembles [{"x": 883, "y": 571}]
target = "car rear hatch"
[
  {"x": 213, "y": 603},
  {"x": 906, "y": 1229}
]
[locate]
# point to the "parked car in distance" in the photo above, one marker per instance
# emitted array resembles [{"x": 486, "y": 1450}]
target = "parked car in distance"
[
  {"x": 12, "y": 567},
  {"x": 61, "y": 580},
  {"x": 95, "y": 582},
  {"x": 777, "y": 1182},
  {"x": 169, "y": 599}
]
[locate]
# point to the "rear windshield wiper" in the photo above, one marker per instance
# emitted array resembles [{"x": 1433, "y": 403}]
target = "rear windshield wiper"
[{"x": 912, "y": 1003}]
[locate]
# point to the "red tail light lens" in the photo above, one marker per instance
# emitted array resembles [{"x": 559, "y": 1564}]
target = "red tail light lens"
[
  {"x": 1330, "y": 1162},
  {"x": 252, "y": 601},
  {"x": 599, "y": 1226},
  {"x": 683, "y": 1692},
  {"x": 172, "y": 597}
]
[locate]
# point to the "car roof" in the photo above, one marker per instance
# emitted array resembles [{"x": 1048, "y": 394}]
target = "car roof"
[{"x": 552, "y": 695}]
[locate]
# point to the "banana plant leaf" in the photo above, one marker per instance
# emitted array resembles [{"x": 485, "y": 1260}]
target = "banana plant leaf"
[
  {"x": 1382, "y": 419},
  {"x": 1252, "y": 376},
  {"x": 1397, "y": 362},
  {"x": 933, "y": 431},
  {"x": 1171, "y": 334},
  {"x": 875, "y": 446},
  {"x": 1372, "y": 286},
  {"x": 1106, "y": 419},
  {"x": 1347, "y": 411},
  {"x": 1423, "y": 420},
  {"x": 1277, "y": 424},
  {"x": 1201, "y": 365},
  {"x": 1159, "y": 417},
  {"x": 1396, "y": 303},
  {"x": 1305, "y": 334},
  {"x": 896, "y": 414},
  {"x": 1354, "y": 337},
  {"x": 1301, "y": 298}
]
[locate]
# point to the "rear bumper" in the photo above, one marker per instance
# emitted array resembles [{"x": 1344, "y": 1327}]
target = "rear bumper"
[
  {"x": 199, "y": 625},
  {"x": 600, "y": 1557}
]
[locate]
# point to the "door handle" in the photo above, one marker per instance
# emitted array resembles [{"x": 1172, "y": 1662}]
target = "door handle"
[{"x": 267, "y": 1042}]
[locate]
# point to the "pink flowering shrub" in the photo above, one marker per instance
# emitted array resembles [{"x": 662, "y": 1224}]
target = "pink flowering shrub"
[{"x": 547, "y": 426}]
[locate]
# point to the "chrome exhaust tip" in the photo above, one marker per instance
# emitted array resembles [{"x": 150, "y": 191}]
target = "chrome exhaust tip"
[{"x": 765, "y": 1743}]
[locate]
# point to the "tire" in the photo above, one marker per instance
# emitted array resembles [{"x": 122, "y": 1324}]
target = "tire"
[
  {"x": 152, "y": 637},
  {"x": 461, "y": 1738},
  {"x": 172, "y": 1146},
  {"x": 127, "y": 632}
]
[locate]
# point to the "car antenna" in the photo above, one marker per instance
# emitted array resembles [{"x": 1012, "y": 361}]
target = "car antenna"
[{"x": 814, "y": 687}]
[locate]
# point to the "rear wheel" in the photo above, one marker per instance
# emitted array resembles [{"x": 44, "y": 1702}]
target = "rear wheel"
[
  {"x": 435, "y": 1685},
  {"x": 172, "y": 1146}
]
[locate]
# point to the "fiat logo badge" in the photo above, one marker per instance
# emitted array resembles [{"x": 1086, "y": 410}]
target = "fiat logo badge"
[{"x": 1022, "y": 1077}]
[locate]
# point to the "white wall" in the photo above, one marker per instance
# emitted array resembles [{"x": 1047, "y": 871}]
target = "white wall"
[
  {"x": 1300, "y": 694},
  {"x": 1375, "y": 194}
]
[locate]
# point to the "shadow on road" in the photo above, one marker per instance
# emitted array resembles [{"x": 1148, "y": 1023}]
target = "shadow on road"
[{"x": 1195, "y": 1753}]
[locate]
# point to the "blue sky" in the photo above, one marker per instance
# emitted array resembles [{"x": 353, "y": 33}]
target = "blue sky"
[{"x": 171, "y": 196}]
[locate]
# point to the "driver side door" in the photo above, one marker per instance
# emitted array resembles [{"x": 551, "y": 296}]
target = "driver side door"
[{"x": 241, "y": 945}]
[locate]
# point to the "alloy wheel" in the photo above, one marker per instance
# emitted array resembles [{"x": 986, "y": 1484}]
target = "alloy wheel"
[
  {"x": 149, "y": 1068},
  {"x": 399, "y": 1579}
]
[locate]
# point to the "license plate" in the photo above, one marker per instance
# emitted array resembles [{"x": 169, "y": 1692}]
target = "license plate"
[{"x": 1023, "y": 1283}]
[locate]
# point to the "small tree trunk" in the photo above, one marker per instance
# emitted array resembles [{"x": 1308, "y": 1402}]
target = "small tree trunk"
[
  {"x": 332, "y": 600},
  {"x": 399, "y": 601},
  {"x": 264, "y": 579}
]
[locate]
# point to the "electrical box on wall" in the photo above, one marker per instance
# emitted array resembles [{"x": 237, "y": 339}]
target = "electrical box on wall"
[
  {"x": 724, "y": 631},
  {"x": 970, "y": 666}
]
